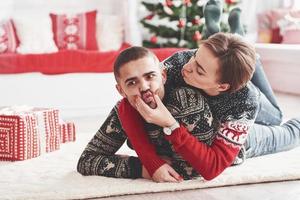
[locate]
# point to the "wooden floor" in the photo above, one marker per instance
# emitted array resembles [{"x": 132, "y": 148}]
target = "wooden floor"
[{"x": 270, "y": 191}]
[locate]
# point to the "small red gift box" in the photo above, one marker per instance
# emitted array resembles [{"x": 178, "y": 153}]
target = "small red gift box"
[
  {"x": 67, "y": 132},
  {"x": 27, "y": 133}
]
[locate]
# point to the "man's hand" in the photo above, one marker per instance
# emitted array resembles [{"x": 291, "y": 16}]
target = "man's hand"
[{"x": 163, "y": 174}]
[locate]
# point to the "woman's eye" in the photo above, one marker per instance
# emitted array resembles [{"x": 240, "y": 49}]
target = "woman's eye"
[{"x": 199, "y": 73}]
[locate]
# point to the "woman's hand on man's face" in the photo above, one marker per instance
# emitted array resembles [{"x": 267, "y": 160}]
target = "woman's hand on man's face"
[{"x": 159, "y": 116}]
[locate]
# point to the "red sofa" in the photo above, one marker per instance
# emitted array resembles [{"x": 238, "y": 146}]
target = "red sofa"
[{"x": 67, "y": 61}]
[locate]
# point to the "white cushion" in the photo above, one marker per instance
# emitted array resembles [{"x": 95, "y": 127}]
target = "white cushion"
[
  {"x": 109, "y": 32},
  {"x": 35, "y": 34}
]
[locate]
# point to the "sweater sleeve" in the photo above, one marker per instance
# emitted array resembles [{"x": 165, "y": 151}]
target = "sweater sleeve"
[
  {"x": 211, "y": 160},
  {"x": 133, "y": 125},
  {"x": 99, "y": 158}
]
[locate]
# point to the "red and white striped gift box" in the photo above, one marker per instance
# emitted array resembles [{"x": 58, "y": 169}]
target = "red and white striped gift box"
[
  {"x": 27, "y": 133},
  {"x": 67, "y": 132}
]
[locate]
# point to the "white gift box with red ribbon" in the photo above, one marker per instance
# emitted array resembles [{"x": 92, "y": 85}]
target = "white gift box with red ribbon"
[
  {"x": 27, "y": 132},
  {"x": 67, "y": 132}
]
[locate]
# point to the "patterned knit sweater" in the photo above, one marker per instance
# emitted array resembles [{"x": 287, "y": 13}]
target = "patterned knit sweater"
[
  {"x": 188, "y": 106},
  {"x": 235, "y": 113},
  {"x": 237, "y": 106}
]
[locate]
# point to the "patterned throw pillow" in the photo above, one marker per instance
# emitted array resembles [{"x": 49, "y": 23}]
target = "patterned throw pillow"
[
  {"x": 35, "y": 36},
  {"x": 75, "y": 31},
  {"x": 8, "y": 37}
]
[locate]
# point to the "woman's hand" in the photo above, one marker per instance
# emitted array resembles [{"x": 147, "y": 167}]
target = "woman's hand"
[
  {"x": 159, "y": 116},
  {"x": 163, "y": 174},
  {"x": 166, "y": 174}
]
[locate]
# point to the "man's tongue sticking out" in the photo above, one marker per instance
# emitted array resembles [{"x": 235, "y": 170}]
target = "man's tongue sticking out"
[{"x": 148, "y": 98}]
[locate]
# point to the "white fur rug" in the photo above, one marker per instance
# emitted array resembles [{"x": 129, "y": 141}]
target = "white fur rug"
[{"x": 54, "y": 176}]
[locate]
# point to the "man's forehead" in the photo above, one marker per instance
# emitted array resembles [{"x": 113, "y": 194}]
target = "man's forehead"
[
  {"x": 140, "y": 75},
  {"x": 138, "y": 71}
]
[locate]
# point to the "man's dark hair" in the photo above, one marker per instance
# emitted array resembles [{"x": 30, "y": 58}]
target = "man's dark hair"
[{"x": 130, "y": 54}]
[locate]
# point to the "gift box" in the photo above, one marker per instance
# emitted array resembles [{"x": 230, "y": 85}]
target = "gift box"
[
  {"x": 280, "y": 25},
  {"x": 28, "y": 132},
  {"x": 67, "y": 132}
]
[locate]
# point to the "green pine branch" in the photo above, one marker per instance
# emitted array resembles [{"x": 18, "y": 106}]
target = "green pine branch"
[
  {"x": 193, "y": 11},
  {"x": 161, "y": 30},
  {"x": 150, "y": 6},
  {"x": 149, "y": 44},
  {"x": 158, "y": 9}
]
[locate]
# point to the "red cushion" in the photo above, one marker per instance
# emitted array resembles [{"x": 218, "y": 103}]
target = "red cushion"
[
  {"x": 67, "y": 61},
  {"x": 75, "y": 31},
  {"x": 8, "y": 37},
  {"x": 276, "y": 36}
]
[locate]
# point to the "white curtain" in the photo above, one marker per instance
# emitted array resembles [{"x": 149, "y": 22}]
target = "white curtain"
[{"x": 133, "y": 34}]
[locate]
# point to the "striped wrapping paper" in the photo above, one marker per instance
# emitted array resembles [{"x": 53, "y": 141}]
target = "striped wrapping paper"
[{"x": 28, "y": 133}]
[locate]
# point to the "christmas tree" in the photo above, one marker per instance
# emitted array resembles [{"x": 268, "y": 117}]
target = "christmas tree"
[{"x": 179, "y": 23}]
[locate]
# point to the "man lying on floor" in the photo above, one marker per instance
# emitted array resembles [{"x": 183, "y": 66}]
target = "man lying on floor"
[
  {"x": 140, "y": 66},
  {"x": 138, "y": 73}
]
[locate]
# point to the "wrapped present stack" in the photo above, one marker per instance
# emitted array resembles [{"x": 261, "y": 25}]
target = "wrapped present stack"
[{"x": 27, "y": 132}]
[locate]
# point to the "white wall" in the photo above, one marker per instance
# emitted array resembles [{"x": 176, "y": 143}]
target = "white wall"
[
  {"x": 124, "y": 8},
  {"x": 62, "y": 6},
  {"x": 6, "y": 8},
  {"x": 75, "y": 95}
]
